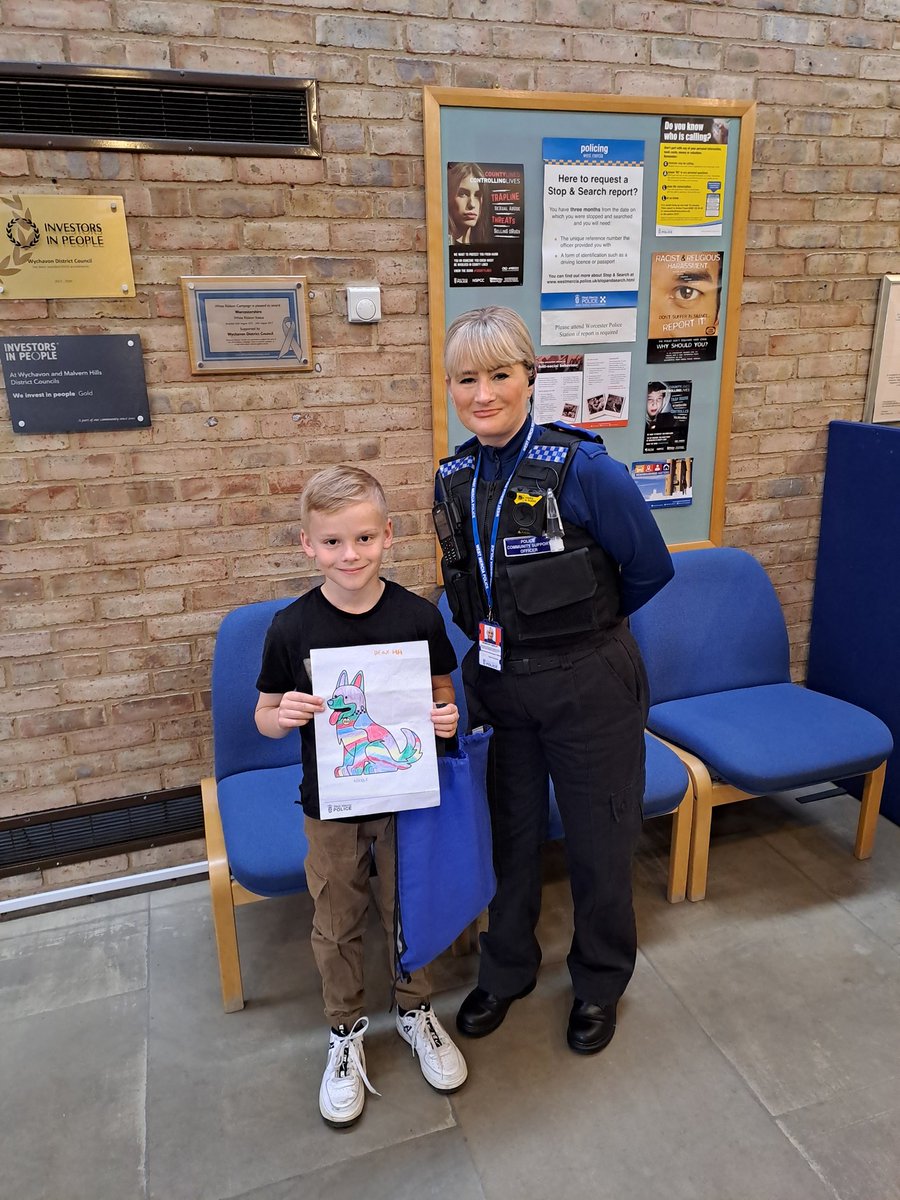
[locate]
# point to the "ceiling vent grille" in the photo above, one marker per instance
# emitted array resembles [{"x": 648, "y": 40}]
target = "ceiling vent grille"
[{"x": 64, "y": 107}]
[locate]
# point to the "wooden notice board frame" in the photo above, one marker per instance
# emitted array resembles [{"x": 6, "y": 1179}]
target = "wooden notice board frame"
[{"x": 507, "y": 128}]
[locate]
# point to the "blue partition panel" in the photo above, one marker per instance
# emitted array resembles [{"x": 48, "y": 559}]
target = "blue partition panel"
[{"x": 854, "y": 650}]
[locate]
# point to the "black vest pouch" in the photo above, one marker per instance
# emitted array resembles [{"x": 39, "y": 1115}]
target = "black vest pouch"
[
  {"x": 464, "y": 600},
  {"x": 553, "y": 594}
]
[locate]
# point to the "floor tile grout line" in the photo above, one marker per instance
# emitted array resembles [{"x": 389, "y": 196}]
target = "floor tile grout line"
[
  {"x": 831, "y": 896},
  {"x": 306, "y": 1175},
  {"x": 813, "y": 1165},
  {"x": 745, "y": 1083}
]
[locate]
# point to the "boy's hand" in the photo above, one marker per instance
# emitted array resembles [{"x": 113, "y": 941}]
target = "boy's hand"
[
  {"x": 298, "y": 708},
  {"x": 444, "y": 718}
]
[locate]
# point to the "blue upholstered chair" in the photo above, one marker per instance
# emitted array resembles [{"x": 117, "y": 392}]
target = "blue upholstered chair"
[
  {"x": 716, "y": 649},
  {"x": 254, "y": 824},
  {"x": 667, "y": 788}
]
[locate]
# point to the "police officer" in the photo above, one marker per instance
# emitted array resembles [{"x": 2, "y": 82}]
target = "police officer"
[{"x": 548, "y": 546}]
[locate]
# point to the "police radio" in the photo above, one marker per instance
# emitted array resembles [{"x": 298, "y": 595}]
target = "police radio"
[{"x": 448, "y": 526}]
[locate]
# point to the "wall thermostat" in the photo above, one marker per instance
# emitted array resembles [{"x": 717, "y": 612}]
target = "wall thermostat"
[{"x": 363, "y": 303}]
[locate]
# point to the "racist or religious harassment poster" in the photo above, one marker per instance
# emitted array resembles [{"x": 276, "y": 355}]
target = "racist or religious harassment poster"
[
  {"x": 486, "y": 223},
  {"x": 590, "y": 250},
  {"x": 75, "y": 383},
  {"x": 667, "y": 484},
  {"x": 668, "y": 415},
  {"x": 692, "y": 157},
  {"x": 56, "y": 246},
  {"x": 685, "y": 291},
  {"x": 590, "y": 390},
  {"x": 375, "y": 747}
]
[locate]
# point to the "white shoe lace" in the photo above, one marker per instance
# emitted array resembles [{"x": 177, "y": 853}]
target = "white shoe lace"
[
  {"x": 425, "y": 1029},
  {"x": 345, "y": 1054}
]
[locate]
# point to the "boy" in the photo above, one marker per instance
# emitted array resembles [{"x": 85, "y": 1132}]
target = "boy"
[{"x": 346, "y": 530}]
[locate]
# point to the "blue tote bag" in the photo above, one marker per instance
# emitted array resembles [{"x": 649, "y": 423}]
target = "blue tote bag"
[{"x": 445, "y": 872}]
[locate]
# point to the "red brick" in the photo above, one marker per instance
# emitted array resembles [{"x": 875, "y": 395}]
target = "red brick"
[
  {"x": 149, "y": 604},
  {"x": 27, "y": 617},
  {"x": 15, "y": 531},
  {"x": 90, "y": 583},
  {"x": 231, "y": 60},
  {"x": 111, "y": 789},
  {"x": 60, "y": 720},
  {"x": 142, "y": 757},
  {"x": 151, "y": 709},
  {"x": 188, "y": 624},
  {"x": 89, "y": 637},
  {"x": 35, "y": 800},
  {"x": 86, "y": 525}
]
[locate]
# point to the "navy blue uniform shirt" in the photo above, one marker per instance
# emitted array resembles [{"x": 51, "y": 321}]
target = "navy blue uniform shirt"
[{"x": 600, "y": 496}]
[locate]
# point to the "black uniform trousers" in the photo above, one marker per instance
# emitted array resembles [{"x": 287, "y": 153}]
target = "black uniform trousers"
[{"x": 577, "y": 716}]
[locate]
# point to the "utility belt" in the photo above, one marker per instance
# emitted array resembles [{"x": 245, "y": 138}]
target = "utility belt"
[{"x": 537, "y": 659}]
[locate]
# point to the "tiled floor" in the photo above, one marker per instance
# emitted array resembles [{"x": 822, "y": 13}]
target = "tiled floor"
[{"x": 757, "y": 1057}]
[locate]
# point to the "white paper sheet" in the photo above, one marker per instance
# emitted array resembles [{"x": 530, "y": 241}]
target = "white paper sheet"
[{"x": 375, "y": 746}]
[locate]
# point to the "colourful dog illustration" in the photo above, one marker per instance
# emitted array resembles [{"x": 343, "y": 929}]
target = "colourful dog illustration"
[{"x": 368, "y": 747}]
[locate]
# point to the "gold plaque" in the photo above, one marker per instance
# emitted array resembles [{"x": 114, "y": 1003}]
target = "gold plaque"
[
  {"x": 63, "y": 247},
  {"x": 247, "y": 323}
]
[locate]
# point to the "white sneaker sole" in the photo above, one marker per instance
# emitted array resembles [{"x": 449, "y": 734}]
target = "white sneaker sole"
[{"x": 341, "y": 1122}]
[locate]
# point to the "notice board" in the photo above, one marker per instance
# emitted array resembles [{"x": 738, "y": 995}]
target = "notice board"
[{"x": 616, "y": 227}]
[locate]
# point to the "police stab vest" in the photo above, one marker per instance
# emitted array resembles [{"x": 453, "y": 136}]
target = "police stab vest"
[{"x": 539, "y": 598}]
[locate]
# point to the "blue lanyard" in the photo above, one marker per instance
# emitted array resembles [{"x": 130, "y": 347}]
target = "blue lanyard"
[{"x": 487, "y": 571}]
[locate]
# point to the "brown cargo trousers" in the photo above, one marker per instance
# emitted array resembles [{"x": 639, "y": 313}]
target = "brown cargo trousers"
[{"x": 338, "y": 873}]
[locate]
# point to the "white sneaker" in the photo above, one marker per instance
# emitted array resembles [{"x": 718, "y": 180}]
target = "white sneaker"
[
  {"x": 343, "y": 1090},
  {"x": 441, "y": 1062}
]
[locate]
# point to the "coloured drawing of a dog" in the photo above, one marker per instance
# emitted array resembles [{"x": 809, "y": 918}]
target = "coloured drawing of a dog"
[{"x": 368, "y": 747}]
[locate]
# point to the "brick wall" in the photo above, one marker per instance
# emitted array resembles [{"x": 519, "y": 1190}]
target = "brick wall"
[{"x": 120, "y": 551}]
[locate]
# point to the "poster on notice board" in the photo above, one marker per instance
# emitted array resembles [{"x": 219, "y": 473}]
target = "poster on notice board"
[{"x": 486, "y": 223}]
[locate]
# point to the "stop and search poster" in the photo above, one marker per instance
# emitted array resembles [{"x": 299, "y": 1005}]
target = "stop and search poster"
[
  {"x": 486, "y": 224},
  {"x": 590, "y": 250},
  {"x": 693, "y": 152}
]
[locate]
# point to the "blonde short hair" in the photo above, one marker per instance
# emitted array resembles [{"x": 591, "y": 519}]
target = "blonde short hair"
[
  {"x": 335, "y": 488},
  {"x": 485, "y": 338}
]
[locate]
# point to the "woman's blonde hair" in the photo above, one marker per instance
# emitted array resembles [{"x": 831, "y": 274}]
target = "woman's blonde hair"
[
  {"x": 485, "y": 338},
  {"x": 335, "y": 488}
]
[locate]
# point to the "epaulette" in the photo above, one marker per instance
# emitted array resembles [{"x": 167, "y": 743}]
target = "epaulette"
[
  {"x": 461, "y": 458},
  {"x": 458, "y": 462}
]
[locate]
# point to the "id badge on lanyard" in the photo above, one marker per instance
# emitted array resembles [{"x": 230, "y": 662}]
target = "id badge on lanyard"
[
  {"x": 490, "y": 645},
  {"x": 490, "y": 634}
]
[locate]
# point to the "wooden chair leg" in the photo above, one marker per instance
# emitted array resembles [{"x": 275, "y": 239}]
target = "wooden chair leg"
[
  {"x": 868, "y": 812},
  {"x": 222, "y": 901},
  {"x": 679, "y": 853},
  {"x": 700, "y": 829},
  {"x": 465, "y": 943}
]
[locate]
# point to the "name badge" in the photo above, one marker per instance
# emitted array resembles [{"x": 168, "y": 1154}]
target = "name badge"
[
  {"x": 490, "y": 645},
  {"x": 513, "y": 547}
]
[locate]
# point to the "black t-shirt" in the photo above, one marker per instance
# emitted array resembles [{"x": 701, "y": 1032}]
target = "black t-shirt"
[{"x": 312, "y": 623}]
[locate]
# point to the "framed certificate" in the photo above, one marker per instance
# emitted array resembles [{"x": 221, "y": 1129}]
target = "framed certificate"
[
  {"x": 244, "y": 323},
  {"x": 883, "y": 389}
]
